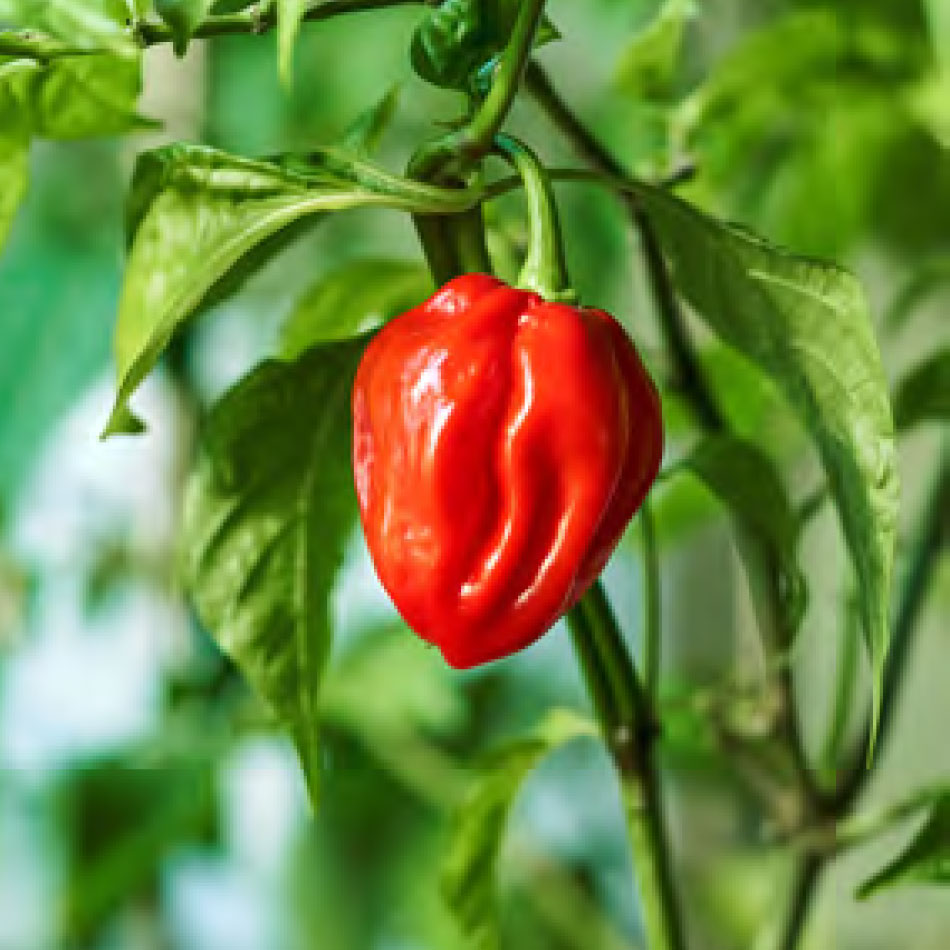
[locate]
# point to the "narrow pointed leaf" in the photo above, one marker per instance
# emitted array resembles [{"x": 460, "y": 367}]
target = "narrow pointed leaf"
[
  {"x": 468, "y": 872},
  {"x": 806, "y": 324}
]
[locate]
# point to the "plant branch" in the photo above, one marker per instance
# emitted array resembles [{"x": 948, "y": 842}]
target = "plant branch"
[
  {"x": 259, "y": 18},
  {"x": 475, "y": 139},
  {"x": 628, "y": 725},
  {"x": 673, "y": 325}
]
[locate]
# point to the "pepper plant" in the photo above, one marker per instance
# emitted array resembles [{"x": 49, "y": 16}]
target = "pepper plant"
[{"x": 270, "y": 507}]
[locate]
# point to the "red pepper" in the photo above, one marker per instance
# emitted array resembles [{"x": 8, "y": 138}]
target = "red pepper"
[{"x": 500, "y": 446}]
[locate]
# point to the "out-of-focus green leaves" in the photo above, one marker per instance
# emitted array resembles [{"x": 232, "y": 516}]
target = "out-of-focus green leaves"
[
  {"x": 460, "y": 37},
  {"x": 194, "y": 216},
  {"x": 924, "y": 393},
  {"x": 468, "y": 873},
  {"x": 396, "y": 696},
  {"x": 648, "y": 65},
  {"x": 121, "y": 824},
  {"x": 267, "y": 515},
  {"x": 796, "y": 128},
  {"x": 90, "y": 24},
  {"x": 938, "y": 19},
  {"x": 930, "y": 276},
  {"x": 183, "y": 17},
  {"x": 746, "y": 481},
  {"x": 926, "y": 860},
  {"x": 807, "y": 325},
  {"x": 353, "y": 299}
]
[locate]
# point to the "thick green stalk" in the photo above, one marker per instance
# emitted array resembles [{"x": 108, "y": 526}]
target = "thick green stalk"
[
  {"x": 545, "y": 268},
  {"x": 629, "y": 730},
  {"x": 475, "y": 139}
]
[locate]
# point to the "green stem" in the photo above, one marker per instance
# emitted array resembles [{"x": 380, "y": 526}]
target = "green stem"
[
  {"x": 652, "y": 604},
  {"x": 474, "y": 140},
  {"x": 628, "y": 727},
  {"x": 260, "y": 17},
  {"x": 545, "y": 269}
]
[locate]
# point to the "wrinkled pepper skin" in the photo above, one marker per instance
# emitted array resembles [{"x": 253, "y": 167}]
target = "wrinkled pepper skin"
[{"x": 500, "y": 446}]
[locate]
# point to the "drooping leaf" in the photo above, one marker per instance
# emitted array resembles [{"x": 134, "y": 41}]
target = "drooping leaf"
[
  {"x": 183, "y": 18},
  {"x": 746, "y": 481},
  {"x": 289, "y": 16},
  {"x": 461, "y": 37},
  {"x": 806, "y": 324},
  {"x": 468, "y": 871},
  {"x": 353, "y": 299},
  {"x": 924, "y": 393},
  {"x": 195, "y": 214},
  {"x": 267, "y": 514},
  {"x": 648, "y": 65},
  {"x": 926, "y": 860}
]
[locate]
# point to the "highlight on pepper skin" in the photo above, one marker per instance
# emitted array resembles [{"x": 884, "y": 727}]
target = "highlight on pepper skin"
[{"x": 501, "y": 444}]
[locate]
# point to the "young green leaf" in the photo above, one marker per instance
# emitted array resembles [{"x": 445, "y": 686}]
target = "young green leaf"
[
  {"x": 195, "y": 214},
  {"x": 924, "y": 393},
  {"x": 468, "y": 872},
  {"x": 746, "y": 481},
  {"x": 267, "y": 515},
  {"x": 363, "y": 135},
  {"x": 926, "y": 860},
  {"x": 648, "y": 65},
  {"x": 806, "y": 324},
  {"x": 460, "y": 37},
  {"x": 289, "y": 16},
  {"x": 356, "y": 297}
]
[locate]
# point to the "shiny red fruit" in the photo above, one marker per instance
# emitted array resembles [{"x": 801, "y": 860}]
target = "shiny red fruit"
[{"x": 500, "y": 446}]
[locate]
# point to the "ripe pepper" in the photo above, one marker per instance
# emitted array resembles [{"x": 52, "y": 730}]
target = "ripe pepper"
[{"x": 500, "y": 446}]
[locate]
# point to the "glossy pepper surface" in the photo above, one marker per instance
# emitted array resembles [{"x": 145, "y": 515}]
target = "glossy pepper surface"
[{"x": 500, "y": 446}]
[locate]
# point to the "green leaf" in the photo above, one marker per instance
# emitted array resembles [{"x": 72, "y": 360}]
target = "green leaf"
[
  {"x": 183, "y": 18},
  {"x": 356, "y": 297},
  {"x": 926, "y": 860},
  {"x": 468, "y": 872},
  {"x": 461, "y": 37},
  {"x": 267, "y": 515},
  {"x": 69, "y": 96},
  {"x": 924, "y": 393},
  {"x": 746, "y": 481},
  {"x": 364, "y": 133},
  {"x": 806, "y": 324},
  {"x": 289, "y": 16},
  {"x": 195, "y": 214},
  {"x": 648, "y": 65},
  {"x": 90, "y": 24}
]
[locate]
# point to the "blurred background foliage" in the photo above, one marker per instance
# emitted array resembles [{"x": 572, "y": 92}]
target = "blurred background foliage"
[{"x": 146, "y": 802}]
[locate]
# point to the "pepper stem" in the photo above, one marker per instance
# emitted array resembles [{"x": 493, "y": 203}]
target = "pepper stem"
[{"x": 545, "y": 269}]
